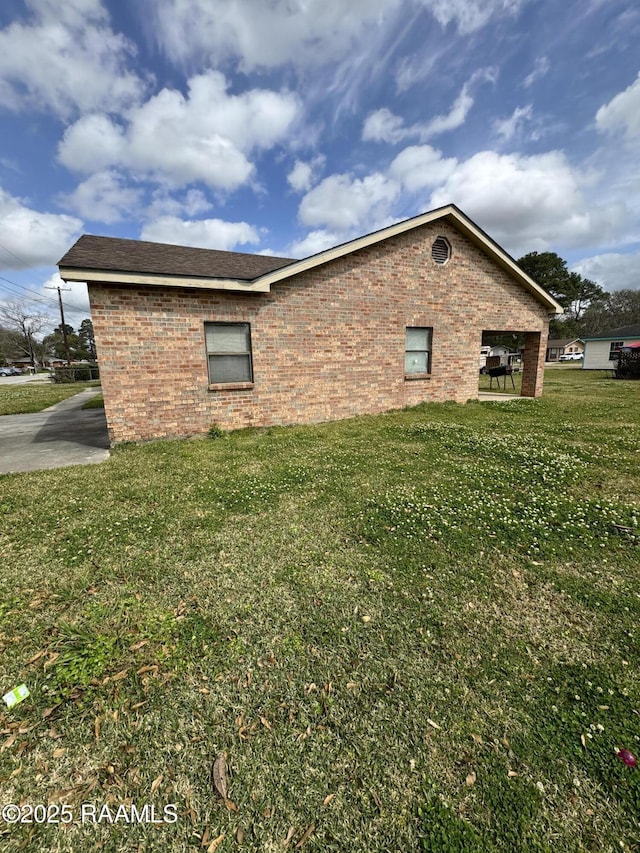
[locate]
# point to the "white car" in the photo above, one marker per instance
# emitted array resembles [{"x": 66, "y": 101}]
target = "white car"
[{"x": 571, "y": 356}]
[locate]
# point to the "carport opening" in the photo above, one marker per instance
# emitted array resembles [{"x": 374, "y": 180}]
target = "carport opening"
[{"x": 501, "y": 363}]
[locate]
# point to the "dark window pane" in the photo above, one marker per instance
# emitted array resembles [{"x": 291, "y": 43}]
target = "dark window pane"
[{"x": 229, "y": 368}]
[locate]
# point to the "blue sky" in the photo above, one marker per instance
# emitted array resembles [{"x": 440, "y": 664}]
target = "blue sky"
[{"x": 287, "y": 126}]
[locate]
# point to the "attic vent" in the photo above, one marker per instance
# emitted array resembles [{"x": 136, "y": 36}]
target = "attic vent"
[{"x": 441, "y": 250}]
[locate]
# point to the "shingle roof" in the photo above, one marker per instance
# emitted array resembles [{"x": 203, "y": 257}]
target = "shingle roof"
[
  {"x": 134, "y": 262},
  {"x": 136, "y": 256},
  {"x": 559, "y": 342},
  {"x": 621, "y": 333}
]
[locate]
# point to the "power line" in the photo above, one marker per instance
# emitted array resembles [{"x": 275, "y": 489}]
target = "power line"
[
  {"x": 11, "y": 252},
  {"x": 37, "y": 295}
]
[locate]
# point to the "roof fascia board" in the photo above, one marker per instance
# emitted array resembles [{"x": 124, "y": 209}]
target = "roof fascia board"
[
  {"x": 110, "y": 277},
  {"x": 451, "y": 212},
  {"x": 610, "y": 338}
]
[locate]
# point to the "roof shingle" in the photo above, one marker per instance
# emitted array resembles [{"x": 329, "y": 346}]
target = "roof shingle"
[
  {"x": 622, "y": 332},
  {"x": 136, "y": 256}
]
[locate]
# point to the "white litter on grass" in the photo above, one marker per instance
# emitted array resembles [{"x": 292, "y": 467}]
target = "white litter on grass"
[{"x": 15, "y": 696}]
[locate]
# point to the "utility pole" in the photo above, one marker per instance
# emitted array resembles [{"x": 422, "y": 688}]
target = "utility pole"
[{"x": 64, "y": 327}]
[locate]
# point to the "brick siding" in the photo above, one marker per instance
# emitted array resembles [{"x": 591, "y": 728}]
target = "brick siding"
[{"x": 328, "y": 343}]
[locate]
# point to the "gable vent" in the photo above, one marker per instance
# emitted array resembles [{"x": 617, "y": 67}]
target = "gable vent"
[{"x": 441, "y": 250}]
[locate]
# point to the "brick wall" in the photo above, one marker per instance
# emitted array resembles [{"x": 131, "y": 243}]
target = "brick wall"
[{"x": 327, "y": 344}]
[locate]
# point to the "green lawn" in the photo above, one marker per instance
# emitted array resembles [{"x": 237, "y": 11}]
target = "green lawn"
[
  {"x": 412, "y": 632},
  {"x": 96, "y": 402},
  {"x": 37, "y": 396}
]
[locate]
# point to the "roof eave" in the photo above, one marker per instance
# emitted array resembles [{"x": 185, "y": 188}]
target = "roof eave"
[
  {"x": 451, "y": 212},
  {"x": 152, "y": 279}
]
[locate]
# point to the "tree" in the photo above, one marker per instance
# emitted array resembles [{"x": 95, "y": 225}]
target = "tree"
[
  {"x": 56, "y": 343},
  {"x": 617, "y": 309},
  {"x": 548, "y": 270},
  {"x": 87, "y": 339},
  {"x": 575, "y": 293},
  {"x": 582, "y": 292},
  {"x": 26, "y": 324}
]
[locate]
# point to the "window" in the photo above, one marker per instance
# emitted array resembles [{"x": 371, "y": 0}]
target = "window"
[
  {"x": 614, "y": 350},
  {"x": 417, "y": 356},
  {"x": 441, "y": 250},
  {"x": 229, "y": 353}
]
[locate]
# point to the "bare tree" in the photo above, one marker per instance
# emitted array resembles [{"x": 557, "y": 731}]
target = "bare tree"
[{"x": 26, "y": 323}]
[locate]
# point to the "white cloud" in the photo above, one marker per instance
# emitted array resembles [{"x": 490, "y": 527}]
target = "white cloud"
[
  {"x": 104, "y": 197},
  {"x": 66, "y": 58},
  {"x": 314, "y": 242},
  {"x": 421, "y": 166},
  {"x": 192, "y": 203},
  {"x": 301, "y": 177},
  {"x": 201, "y": 233},
  {"x": 612, "y": 271},
  {"x": 261, "y": 34},
  {"x": 622, "y": 113},
  {"x": 93, "y": 143},
  {"x": 31, "y": 238},
  {"x": 527, "y": 203},
  {"x": 507, "y": 128},
  {"x": 342, "y": 202},
  {"x": 470, "y": 15},
  {"x": 206, "y": 136},
  {"x": 384, "y": 126},
  {"x": 310, "y": 33},
  {"x": 540, "y": 68},
  {"x": 75, "y": 299},
  {"x": 454, "y": 118}
]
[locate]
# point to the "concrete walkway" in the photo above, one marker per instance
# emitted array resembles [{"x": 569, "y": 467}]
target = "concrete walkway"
[
  {"x": 60, "y": 436},
  {"x": 493, "y": 397}
]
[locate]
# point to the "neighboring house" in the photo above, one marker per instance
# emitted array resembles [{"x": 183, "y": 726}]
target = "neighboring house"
[
  {"x": 499, "y": 350},
  {"x": 601, "y": 351},
  {"x": 191, "y": 337},
  {"x": 566, "y": 346}
]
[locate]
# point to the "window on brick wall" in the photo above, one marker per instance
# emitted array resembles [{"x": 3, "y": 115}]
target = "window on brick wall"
[
  {"x": 417, "y": 356},
  {"x": 229, "y": 353}
]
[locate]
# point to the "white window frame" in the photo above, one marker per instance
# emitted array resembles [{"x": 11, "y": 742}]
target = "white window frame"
[{"x": 614, "y": 350}]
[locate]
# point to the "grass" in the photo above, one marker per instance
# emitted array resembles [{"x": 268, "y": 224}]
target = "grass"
[
  {"x": 37, "y": 396},
  {"x": 417, "y": 631},
  {"x": 96, "y": 402},
  {"x": 498, "y": 384}
]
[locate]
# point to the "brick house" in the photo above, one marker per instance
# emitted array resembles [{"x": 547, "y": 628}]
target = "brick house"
[{"x": 190, "y": 337}]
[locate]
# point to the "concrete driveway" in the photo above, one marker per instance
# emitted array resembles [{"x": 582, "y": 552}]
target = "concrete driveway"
[{"x": 60, "y": 436}]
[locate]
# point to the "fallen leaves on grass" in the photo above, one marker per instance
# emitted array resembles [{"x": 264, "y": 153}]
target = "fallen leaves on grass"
[
  {"x": 219, "y": 775},
  {"x": 307, "y": 835},
  {"x": 156, "y": 783}
]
